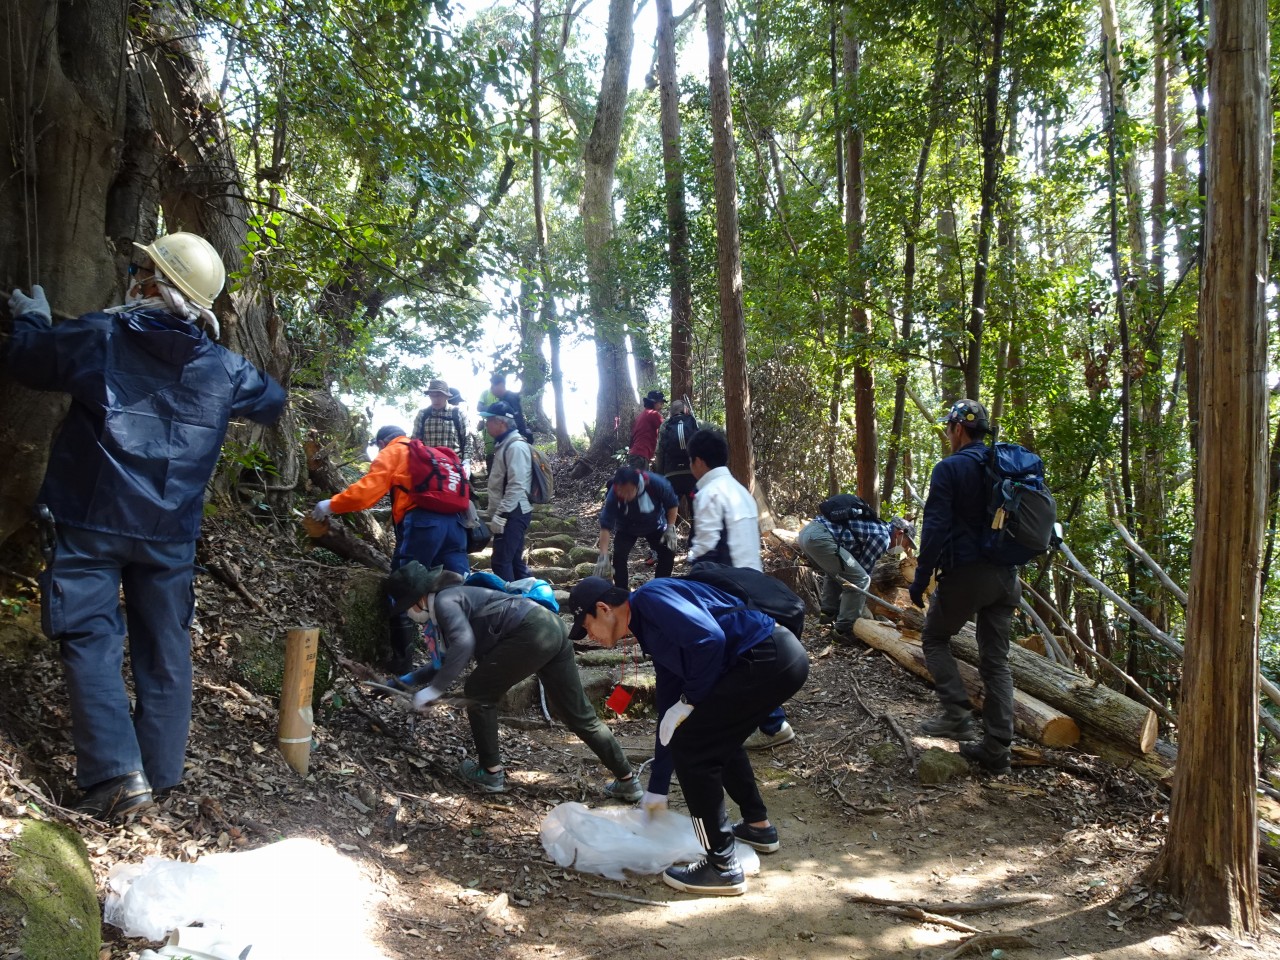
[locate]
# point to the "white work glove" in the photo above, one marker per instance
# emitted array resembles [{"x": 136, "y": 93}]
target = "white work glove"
[
  {"x": 676, "y": 714},
  {"x": 670, "y": 537},
  {"x": 603, "y": 568},
  {"x": 652, "y": 804},
  {"x": 424, "y": 697},
  {"x": 497, "y": 525},
  {"x": 322, "y": 511},
  {"x": 36, "y": 305}
]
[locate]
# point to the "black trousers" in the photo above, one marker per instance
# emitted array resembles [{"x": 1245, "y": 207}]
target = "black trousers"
[
  {"x": 707, "y": 748},
  {"x": 622, "y": 544}
]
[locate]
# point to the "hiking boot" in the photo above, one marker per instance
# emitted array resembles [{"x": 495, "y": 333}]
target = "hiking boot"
[
  {"x": 825, "y": 618},
  {"x": 993, "y": 758},
  {"x": 116, "y": 798},
  {"x": 472, "y": 772},
  {"x": 764, "y": 839},
  {"x": 843, "y": 629},
  {"x": 759, "y": 740},
  {"x": 954, "y": 723},
  {"x": 629, "y": 790},
  {"x": 715, "y": 875}
]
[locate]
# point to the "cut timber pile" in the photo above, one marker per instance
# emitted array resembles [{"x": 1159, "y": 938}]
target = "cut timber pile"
[
  {"x": 1032, "y": 718},
  {"x": 1101, "y": 711}
]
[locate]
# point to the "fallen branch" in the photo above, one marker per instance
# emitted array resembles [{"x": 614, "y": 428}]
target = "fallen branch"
[
  {"x": 951, "y": 907},
  {"x": 1051, "y": 645},
  {"x": 915, "y": 913},
  {"x": 606, "y": 895},
  {"x": 988, "y": 941},
  {"x": 907, "y": 744},
  {"x": 1145, "y": 557}
]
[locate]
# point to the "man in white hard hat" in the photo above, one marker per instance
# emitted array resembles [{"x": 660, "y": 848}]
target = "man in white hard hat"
[{"x": 151, "y": 395}]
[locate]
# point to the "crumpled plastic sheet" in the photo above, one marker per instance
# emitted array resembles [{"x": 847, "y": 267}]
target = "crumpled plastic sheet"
[
  {"x": 613, "y": 841},
  {"x": 295, "y": 898}
]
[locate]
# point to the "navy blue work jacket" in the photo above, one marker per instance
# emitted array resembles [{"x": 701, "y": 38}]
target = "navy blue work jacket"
[
  {"x": 151, "y": 396},
  {"x": 955, "y": 512}
]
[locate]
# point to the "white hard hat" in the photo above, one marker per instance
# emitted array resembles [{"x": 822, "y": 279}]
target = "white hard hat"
[{"x": 191, "y": 263}]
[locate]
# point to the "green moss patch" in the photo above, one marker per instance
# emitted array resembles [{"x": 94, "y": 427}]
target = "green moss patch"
[{"x": 51, "y": 891}]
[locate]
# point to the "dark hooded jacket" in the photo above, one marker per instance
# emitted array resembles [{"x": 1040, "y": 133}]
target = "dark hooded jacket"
[{"x": 151, "y": 396}]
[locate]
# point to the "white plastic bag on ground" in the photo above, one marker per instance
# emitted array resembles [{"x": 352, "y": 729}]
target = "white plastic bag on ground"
[
  {"x": 612, "y": 840},
  {"x": 295, "y": 898}
]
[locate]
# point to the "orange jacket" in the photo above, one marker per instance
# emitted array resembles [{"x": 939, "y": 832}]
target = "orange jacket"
[{"x": 388, "y": 472}]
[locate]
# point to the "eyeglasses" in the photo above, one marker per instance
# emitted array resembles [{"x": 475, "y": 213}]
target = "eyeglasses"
[{"x": 135, "y": 268}]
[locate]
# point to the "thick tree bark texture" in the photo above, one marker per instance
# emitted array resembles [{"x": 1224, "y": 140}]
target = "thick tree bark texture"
[
  {"x": 733, "y": 330},
  {"x": 866, "y": 435},
  {"x": 1211, "y": 856},
  {"x": 64, "y": 109},
  {"x": 677, "y": 216},
  {"x": 1032, "y": 718},
  {"x": 615, "y": 403}
]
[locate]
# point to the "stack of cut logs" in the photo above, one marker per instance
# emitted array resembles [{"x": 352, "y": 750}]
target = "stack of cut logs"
[{"x": 1053, "y": 705}]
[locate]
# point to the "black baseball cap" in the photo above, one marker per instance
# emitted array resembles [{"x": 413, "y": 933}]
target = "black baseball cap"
[
  {"x": 583, "y": 599},
  {"x": 386, "y": 434}
]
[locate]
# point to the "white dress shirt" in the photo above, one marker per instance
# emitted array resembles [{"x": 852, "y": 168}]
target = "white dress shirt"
[{"x": 724, "y": 508}]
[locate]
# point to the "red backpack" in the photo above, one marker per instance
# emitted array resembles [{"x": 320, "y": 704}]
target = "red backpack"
[{"x": 436, "y": 480}]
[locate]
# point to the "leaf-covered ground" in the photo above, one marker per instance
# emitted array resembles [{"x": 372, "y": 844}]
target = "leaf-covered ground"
[{"x": 455, "y": 873}]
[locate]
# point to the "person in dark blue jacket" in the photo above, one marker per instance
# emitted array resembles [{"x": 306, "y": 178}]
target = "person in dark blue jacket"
[
  {"x": 639, "y": 506},
  {"x": 969, "y": 587},
  {"x": 151, "y": 395},
  {"x": 721, "y": 670}
]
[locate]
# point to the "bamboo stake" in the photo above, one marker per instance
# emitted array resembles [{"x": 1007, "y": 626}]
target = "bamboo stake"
[{"x": 293, "y": 735}]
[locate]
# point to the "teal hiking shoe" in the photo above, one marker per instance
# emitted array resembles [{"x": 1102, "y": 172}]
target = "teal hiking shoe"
[
  {"x": 473, "y": 773},
  {"x": 628, "y": 790}
]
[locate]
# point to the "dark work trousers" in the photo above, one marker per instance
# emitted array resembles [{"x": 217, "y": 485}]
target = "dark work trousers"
[
  {"x": 623, "y": 541},
  {"x": 987, "y": 594},
  {"x": 540, "y": 644},
  {"x": 82, "y": 613},
  {"x": 508, "y": 547},
  {"x": 707, "y": 748},
  {"x": 684, "y": 485}
]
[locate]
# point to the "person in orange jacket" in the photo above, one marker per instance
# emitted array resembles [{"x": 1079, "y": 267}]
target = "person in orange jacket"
[{"x": 433, "y": 539}]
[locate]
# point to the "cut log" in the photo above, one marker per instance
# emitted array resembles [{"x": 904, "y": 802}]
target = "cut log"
[
  {"x": 894, "y": 569},
  {"x": 1110, "y": 714},
  {"x": 1032, "y": 718},
  {"x": 339, "y": 539},
  {"x": 328, "y": 479},
  {"x": 1156, "y": 765}
]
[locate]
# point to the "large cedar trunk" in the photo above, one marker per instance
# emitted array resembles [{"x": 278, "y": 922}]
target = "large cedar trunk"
[
  {"x": 109, "y": 136},
  {"x": 70, "y": 84},
  {"x": 1211, "y": 858}
]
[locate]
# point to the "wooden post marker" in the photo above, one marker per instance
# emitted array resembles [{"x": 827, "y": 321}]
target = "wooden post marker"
[{"x": 293, "y": 735}]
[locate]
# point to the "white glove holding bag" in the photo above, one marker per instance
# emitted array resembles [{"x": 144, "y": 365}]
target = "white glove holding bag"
[
  {"x": 676, "y": 714},
  {"x": 652, "y": 804}
]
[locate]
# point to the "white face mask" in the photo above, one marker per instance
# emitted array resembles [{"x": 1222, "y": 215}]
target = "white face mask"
[{"x": 417, "y": 615}]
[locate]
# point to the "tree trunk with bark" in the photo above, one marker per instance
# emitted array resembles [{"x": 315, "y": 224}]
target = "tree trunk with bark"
[
  {"x": 733, "y": 331},
  {"x": 1211, "y": 857},
  {"x": 677, "y": 215},
  {"x": 615, "y": 403},
  {"x": 866, "y": 433}
]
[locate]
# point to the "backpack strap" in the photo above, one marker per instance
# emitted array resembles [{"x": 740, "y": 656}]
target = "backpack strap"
[{"x": 461, "y": 431}]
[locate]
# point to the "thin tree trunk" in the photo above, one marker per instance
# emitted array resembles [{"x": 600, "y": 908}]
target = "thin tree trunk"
[
  {"x": 866, "y": 435},
  {"x": 991, "y": 160},
  {"x": 677, "y": 216},
  {"x": 910, "y": 236},
  {"x": 733, "y": 331},
  {"x": 1211, "y": 856}
]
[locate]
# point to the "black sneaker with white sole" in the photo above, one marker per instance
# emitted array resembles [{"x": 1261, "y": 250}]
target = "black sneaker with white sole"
[
  {"x": 763, "y": 839},
  {"x": 713, "y": 876}
]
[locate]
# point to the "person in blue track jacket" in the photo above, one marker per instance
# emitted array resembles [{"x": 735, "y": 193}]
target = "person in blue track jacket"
[{"x": 721, "y": 669}]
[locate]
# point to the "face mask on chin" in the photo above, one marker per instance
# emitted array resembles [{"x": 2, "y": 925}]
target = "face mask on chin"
[{"x": 418, "y": 616}]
